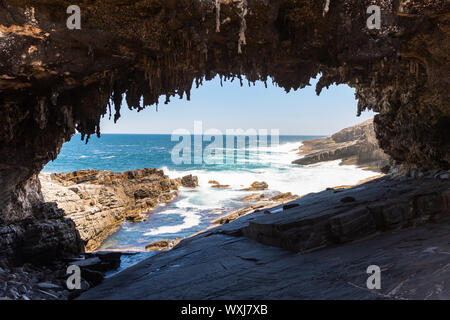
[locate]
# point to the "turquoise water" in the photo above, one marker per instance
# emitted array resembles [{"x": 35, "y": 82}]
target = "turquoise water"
[
  {"x": 194, "y": 209},
  {"x": 120, "y": 152}
]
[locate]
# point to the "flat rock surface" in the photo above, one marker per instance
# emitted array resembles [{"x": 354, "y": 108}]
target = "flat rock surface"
[{"x": 415, "y": 264}]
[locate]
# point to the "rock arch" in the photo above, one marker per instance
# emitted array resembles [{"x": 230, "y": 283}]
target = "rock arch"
[{"x": 54, "y": 81}]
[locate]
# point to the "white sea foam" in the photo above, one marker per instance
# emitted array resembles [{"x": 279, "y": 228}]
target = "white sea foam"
[
  {"x": 190, "y": 220},
  {"x": 281, "y": 176},
  {"x": 195, "y": 208}
]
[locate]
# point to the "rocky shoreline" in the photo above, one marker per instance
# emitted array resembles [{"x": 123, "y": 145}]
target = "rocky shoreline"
[
  {"x": 98, "y": 202},
  {"x": 355, "y": 145},
  {"x": 317, "y": 246}
]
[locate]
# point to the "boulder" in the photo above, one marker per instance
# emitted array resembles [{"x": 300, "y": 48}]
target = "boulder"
[
  {"x": 189, "y": 181},
  {"x": 160, "y": 245},
  {"x": 257, "y": 186},
  {"x": 253, "y": 197}
]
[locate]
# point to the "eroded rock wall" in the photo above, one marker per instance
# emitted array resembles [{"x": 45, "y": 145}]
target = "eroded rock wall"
[{"x": 54, "y": 81}]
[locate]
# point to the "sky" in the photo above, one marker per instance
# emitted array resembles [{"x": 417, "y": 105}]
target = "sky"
[{"x": 299, "y": 112}]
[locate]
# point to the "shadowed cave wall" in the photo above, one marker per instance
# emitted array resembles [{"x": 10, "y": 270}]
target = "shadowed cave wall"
[{"x": 54, "y": 81}]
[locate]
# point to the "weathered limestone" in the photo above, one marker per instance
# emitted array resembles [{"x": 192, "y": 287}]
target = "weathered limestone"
[{"x": 99, "y": 201}]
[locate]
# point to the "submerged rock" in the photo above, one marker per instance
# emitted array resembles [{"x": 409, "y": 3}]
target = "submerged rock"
[
  {"x": 189, "y": 181},
  {"x": 257, "y": 186},
  {"x": 165, "y": 244}
]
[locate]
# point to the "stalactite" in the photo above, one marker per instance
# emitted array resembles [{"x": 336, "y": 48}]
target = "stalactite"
[
  {"x": 244, "y": 10},
  {"x": 326, "y": 8},
  {"x": 218, "y": 2}
]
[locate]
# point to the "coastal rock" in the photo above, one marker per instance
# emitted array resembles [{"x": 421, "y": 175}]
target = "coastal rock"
[
  {"x": 321, "y": 219},
  {"x": 261, "y": 203},
  {"x": 217, "y": 185},
  {"x": 99, "y": 201},
  {"x": 33, "y": 282},
  {"x": 253, "y": 197},
  {"x": 257, "y": 186},
  {"x": 160, "y": 245},
  {"x": 354, "y": 145},
  {"x": 189, "y": 181},
  {"x": 220, "y": 186},
  {"x": 51, "y": 87},
  {"x": 247, "y": 258}
]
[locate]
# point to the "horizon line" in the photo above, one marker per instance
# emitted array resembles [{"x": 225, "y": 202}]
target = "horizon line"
[{"x": 168, "y": 134}]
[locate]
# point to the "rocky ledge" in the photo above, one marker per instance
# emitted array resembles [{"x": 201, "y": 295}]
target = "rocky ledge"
[
  {"x": 99, "y": 201},
  {"x": 400, "y": 223},
  {"x": 355, "y": 145}
]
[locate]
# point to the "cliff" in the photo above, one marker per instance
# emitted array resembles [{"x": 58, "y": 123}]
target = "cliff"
[
  {"x": 99, "y": 201},
  {"x": 354, "y": 145}
]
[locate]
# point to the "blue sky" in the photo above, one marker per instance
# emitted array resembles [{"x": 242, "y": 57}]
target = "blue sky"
[{"x": 299, "y": 112}]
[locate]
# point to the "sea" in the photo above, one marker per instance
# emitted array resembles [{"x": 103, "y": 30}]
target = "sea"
[{"x": 194, "y": 210}]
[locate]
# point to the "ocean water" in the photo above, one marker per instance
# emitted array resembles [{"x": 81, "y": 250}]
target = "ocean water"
[{"x": 195, "y": 209}]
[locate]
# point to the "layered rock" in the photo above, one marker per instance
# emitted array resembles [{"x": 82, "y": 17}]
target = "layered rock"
[
  {"x": 257, "y": 186},
  {"x": 261, "y": 202},
  {"x": 99, "y": 201},
  {"x": 354, "y": 145},
  {"x": 257, "y": 256}
]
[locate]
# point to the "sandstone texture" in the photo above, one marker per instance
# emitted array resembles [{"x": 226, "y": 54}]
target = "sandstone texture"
[
  {"x": 356, "y": 145},
  {"x": 99, "y": 201}
]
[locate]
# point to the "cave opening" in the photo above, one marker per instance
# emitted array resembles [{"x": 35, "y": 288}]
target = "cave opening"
[
  {"x": 55, "y": 81},
  {"x": 224, "y": 110}
]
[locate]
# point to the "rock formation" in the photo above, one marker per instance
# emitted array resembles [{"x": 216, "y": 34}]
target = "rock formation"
[
  {"x": 99, "y": 201},
  {"x": 54, "y": 81},
  {"x": 257, "y": 186},
  {"x": 355, "y": 145},
  {"x": 257, "y": 256},
  {"x": 160, "y": 245},
  {"x": 261, "y": 202},
  {"x": 35, "y": 231}
]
